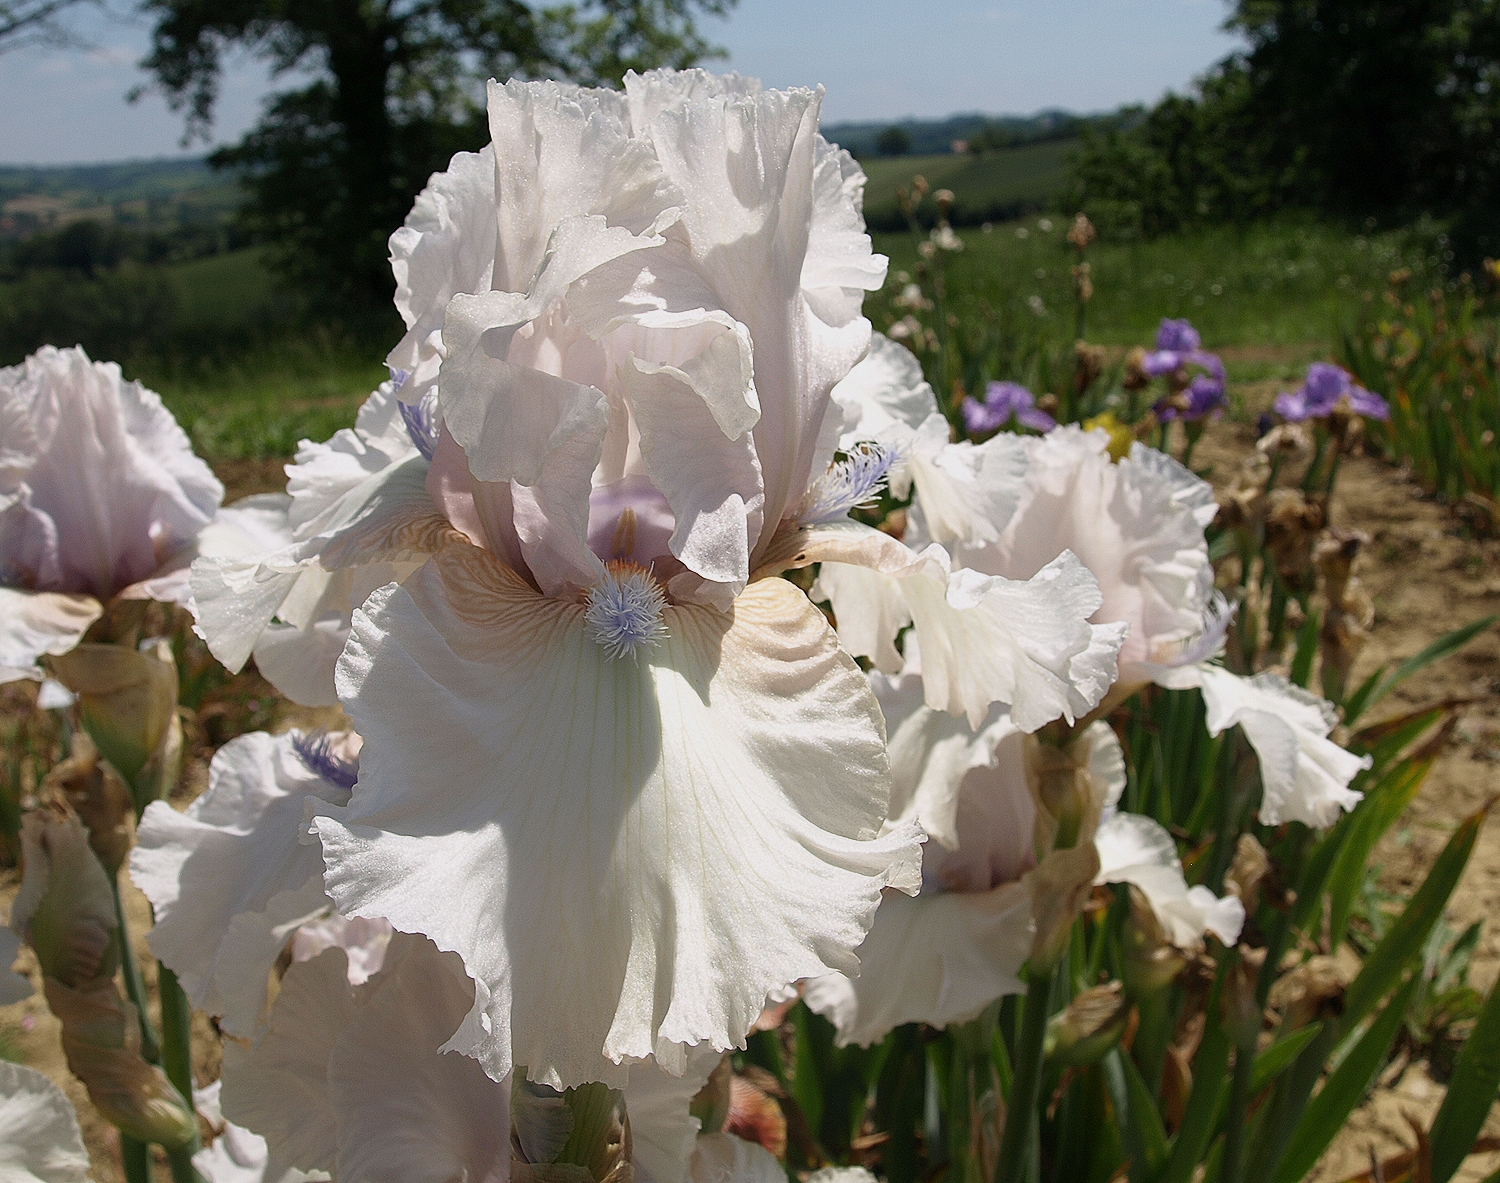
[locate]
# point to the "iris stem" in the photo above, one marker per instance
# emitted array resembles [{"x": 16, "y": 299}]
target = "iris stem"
[
  {"x": 135, "y": 1156},
  {"x": 1020, "y": 1114},
  {"x": 135, "y": 986},
  {"x": 176, "y": 1032},
  {"x": 1239, "y": 1102}
]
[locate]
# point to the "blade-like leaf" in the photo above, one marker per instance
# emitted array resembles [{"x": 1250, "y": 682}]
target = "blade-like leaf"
[
  {"x": 1440, "y": 648},
  {"x": 1277, "y": 1058},
  {"x": 1307, "y": 649},
  {"x": 1344, "y": 1089},
  {"x": 1140, "y": 1122},
  {"x": 1403, "y": 942},
  {"x": 1471, "y": 1092},
  {"x": 1384, "y": 802}
]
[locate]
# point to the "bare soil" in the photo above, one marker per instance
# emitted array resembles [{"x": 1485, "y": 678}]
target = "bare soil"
[{"x": 1428, "y": 575}]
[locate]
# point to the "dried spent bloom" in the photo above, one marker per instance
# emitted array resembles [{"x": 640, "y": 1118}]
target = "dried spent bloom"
[
  {"x": 65, "y": 912},
  {"x": 1081, "y": 232}
]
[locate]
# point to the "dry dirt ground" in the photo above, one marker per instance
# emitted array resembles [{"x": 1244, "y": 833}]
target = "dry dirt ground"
[{"x": 1427, "y": 576}]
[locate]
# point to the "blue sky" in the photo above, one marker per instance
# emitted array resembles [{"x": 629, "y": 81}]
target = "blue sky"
[{"x": 879, "y": 59}]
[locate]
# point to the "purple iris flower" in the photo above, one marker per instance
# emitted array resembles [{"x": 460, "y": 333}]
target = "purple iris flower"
[
  {"x": 1178, "y": 345},
  {"x": 1204, "y": 396},
  {"x": 1178, "y": 336},
  {"x": 1320, "y": 393},
  {"x": 1002, "y": 402}
]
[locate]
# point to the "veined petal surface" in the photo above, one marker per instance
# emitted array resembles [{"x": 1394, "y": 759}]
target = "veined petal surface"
[{"x": 629, "y": 855}]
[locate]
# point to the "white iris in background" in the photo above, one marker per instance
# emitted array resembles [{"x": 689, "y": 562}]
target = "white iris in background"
[
  {"x": 100, "y": 495},
  {"x": 1138, "y": 528},
  {"x": 945, "y": 955}
]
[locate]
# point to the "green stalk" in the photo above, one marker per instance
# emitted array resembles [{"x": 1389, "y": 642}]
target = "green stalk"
[
  {"x": 1020, "y": 1114},
  {"x": 1152, "y": 1036},
  {"x": 136, "y": 1158},
  {"x": 135, "y": 987},
  {"x": 183, "y": 1171},
  {"x": 176, "y": 1032},
  {"x": 1239, "y": 1104}
]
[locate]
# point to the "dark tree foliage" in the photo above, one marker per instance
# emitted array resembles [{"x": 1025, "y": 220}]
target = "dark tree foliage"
[
  {"x": 396, "y": 89},
  {"x": 893, "y": 141},
  {"x": 1387, "y": 108}
]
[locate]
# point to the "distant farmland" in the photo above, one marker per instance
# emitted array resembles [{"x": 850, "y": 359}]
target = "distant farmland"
[{"x": 990, "y": 188}]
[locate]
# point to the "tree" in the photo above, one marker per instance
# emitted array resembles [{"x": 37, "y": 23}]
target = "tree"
[
  {"x": 1385, "y": 108},
  {"x": 893, "y": 141},
  {"x": 397, "y": 88},
  {"x": 33, "y": 22}
]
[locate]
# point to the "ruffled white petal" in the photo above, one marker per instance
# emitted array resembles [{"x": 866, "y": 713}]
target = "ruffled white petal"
[
  {"x": 33, "y": 624},
  {"x": 350, "y": 1080},
  {"x": 371, "y": 533},
  {"x": 40, "y": 1141},
  {"x": 932, "y": 752},
  {"x": 869, "y": 608},
  {"x": 1136, "y": 849},
  {"x": 1137, "y": 525},
  {"x": 884, "y": 398},
  {"x": 629, "y": 855},
  {"x": 988, "y": 639},
  {"x": 440, "y": 1117},
  {"x": 939, "y": 958},
  {"x": 446, "y": 246},
  {"x": 278, "y": 1087},
  {"x": 663, "y": 1132},
  {"x": 966, "y": 492},
  {"x": 1304, "y": 775},
  {"x": 231, "y": 879}
]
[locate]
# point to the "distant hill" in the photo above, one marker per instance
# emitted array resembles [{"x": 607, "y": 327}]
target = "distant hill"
[
  {"x": 146, "y": 195},
  {"x": 930, "y": 137}
]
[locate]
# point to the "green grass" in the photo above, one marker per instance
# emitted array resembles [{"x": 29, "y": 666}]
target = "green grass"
[
  {"x": 260, "y": 407},
  {"x": 1273, "y": 285},
  {"x": 224, "y": 289}
]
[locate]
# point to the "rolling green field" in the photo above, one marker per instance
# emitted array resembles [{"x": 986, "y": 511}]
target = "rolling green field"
[{"x": 992, "y": 187}]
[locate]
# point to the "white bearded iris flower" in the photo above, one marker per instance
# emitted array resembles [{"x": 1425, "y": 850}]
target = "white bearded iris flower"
[
  {"x": 621, "y": 770},
  {"x": 1138, "y": 527},
  {"x": 945, "y": 955},
  {"x": 99, "y": 491}
]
